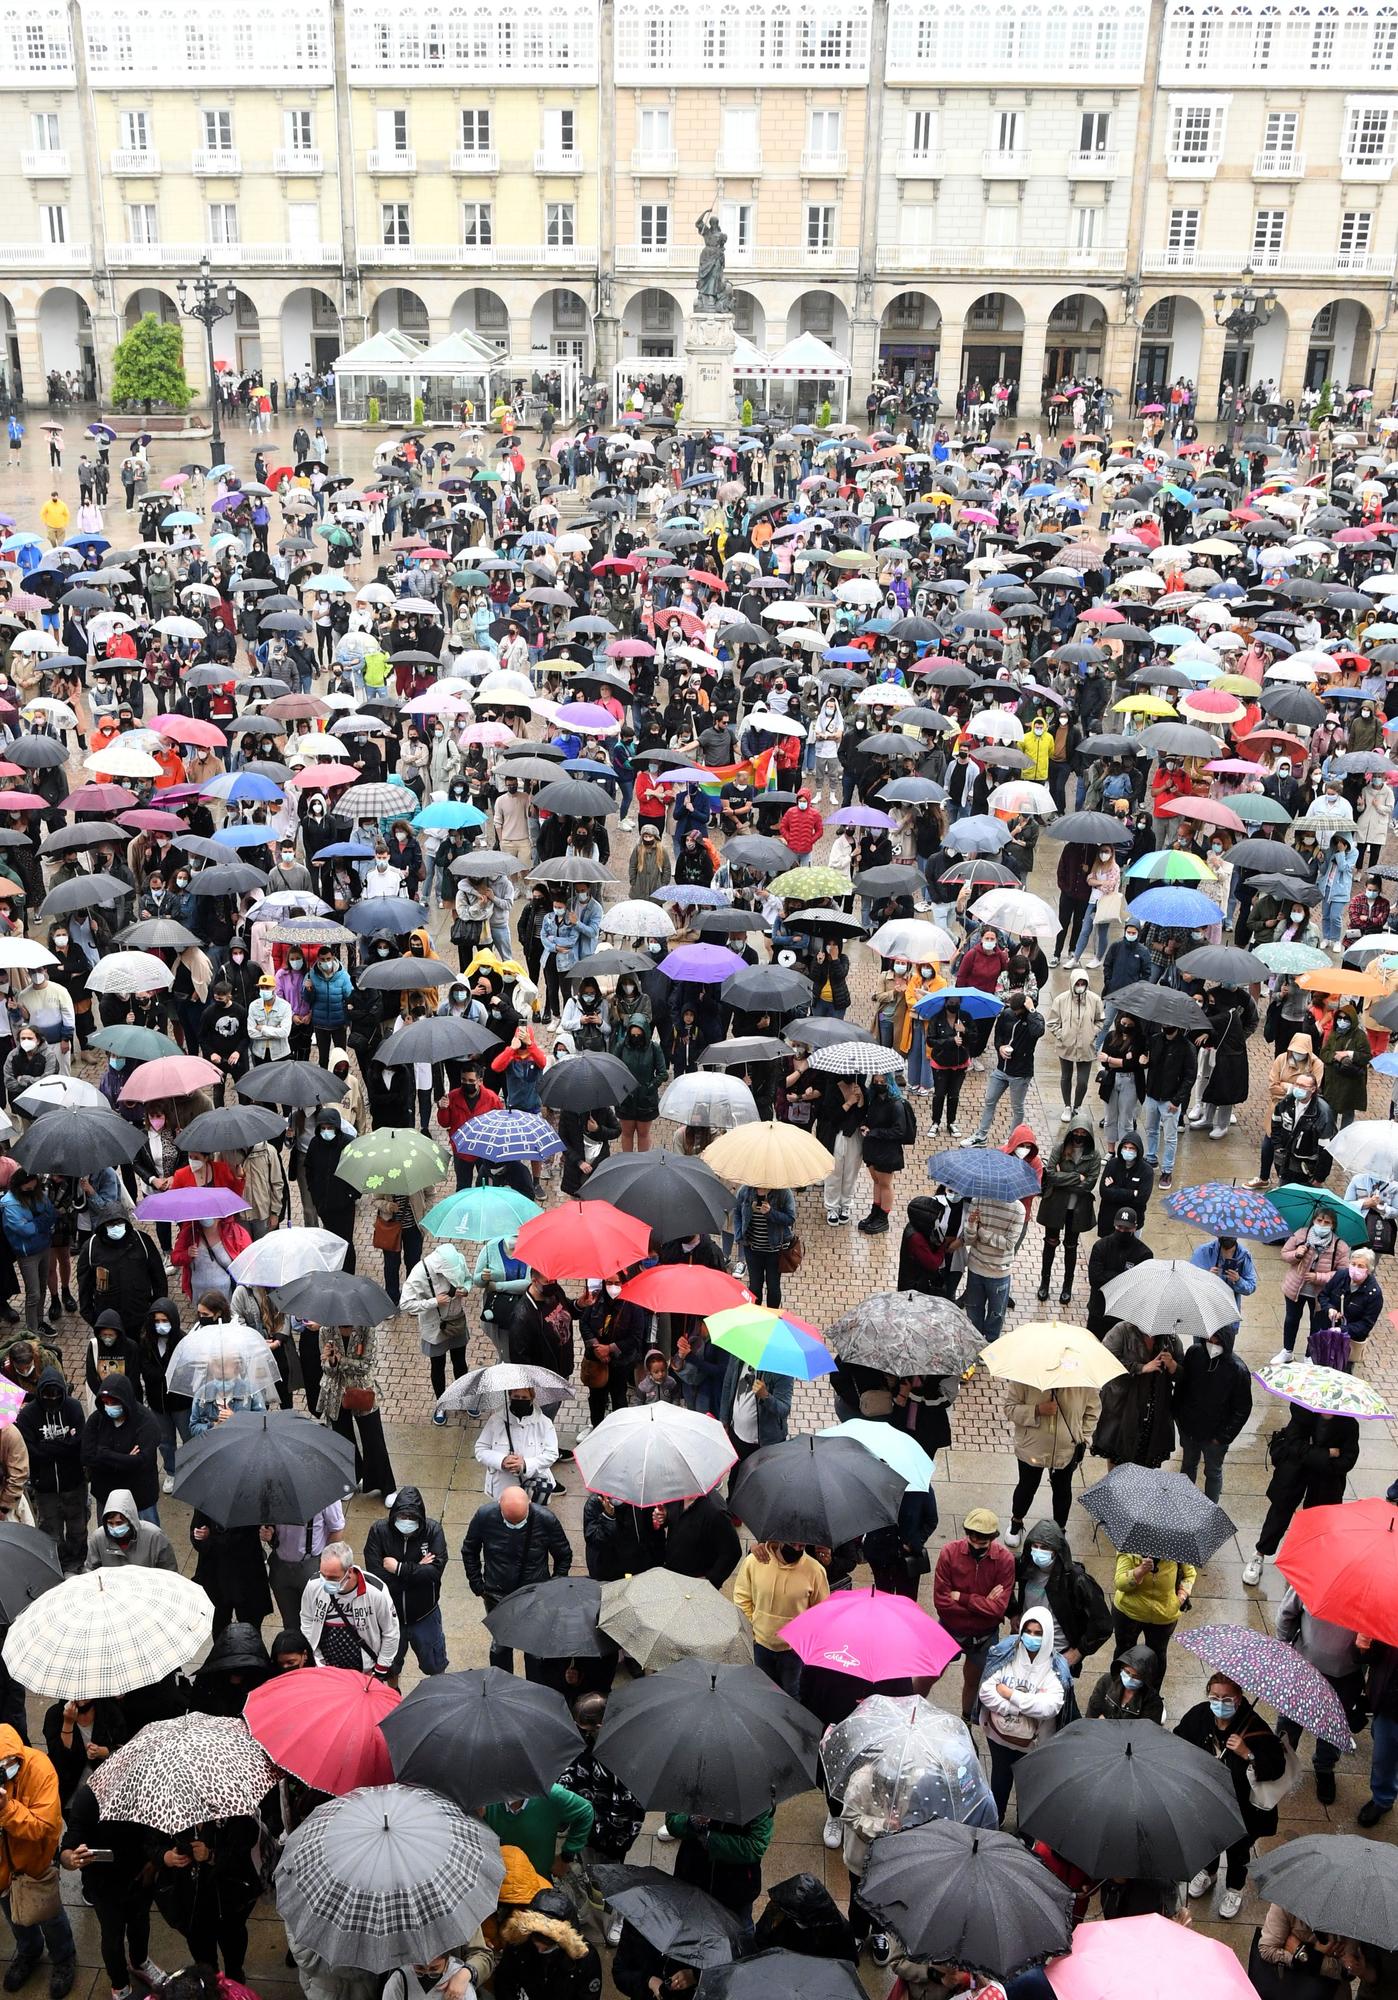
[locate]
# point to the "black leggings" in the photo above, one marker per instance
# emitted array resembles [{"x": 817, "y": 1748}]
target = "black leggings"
[
  {"x": 212, "y": 1935},
  {"x": 437, "y": 1368},
  {"x": 764, "y": 1274},
  {"x": 1060, "y": 1484},
  {"x": 611, "y": 1395},
  {"x": 1070, "y": 1259},
  {"x": 125, "y": 1930},
  {"x": 946, "y": 1094},
  {"x": 1073, "y": 1079}
]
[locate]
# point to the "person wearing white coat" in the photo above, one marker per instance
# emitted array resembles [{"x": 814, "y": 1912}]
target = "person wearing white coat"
[
  {"x": 436, "y": 1292},
  {"x": 1375, "y": 820},
  {"x": 522, "y": 1434},
  {"x": 269, "y": 1024}
]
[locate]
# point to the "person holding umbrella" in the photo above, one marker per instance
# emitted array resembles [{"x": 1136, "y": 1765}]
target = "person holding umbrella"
[
  {"x": 206, "y": 1885},
  {"x": 1137, "y": 1425},
  {"x": 1151, "y": 1592},
  {"x": 510, "y": 1542},
  {"x": 117, "y": 1889},
  {"x": 1229, "y": 1728},
  {"x": 764, "y": 1223},
  {"x": 518, "y": 1446}
]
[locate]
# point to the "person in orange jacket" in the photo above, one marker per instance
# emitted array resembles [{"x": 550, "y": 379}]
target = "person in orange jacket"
[{"x": 31, "y": 1824}]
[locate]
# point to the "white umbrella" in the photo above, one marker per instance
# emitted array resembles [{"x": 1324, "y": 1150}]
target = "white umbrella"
[
  {"x": 773, "y": 724},
  {"x": 49, "y": 1093},
  {"x": 117, "y": 762},
  {"x": 885, "y": 694},
  {"x": 179, "y": 628},
  {"x": 34, "y": 642},
  {"x": 637, "y": 919},
  {"x": 995, "y": 725},
  {"x": 708, "y": 1097},
  {"x": 654, "y": 1454},
  {"x": 103, "y": 1634},
  {"x": 1366, "y": 1149},
  {"x": 1014, "y": 909},
  {"x": 284, "y": 1254},
  {"x": 909, "y": 937},
  {"x": 23, "y": 954},
  {"x": 130, "y": 972}
]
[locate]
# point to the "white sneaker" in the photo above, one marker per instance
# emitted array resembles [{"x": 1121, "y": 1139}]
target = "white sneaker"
[
  {"x": 1065, "y": 1116},
  {"x": 167, "y": 1484},
  {"x": 1230, "y": 1902},
  {"x": 1252, "y": 1569},
  {"x": 614, "y": 1931},
  {"x": 153, "y": 1974},
  {"x": 1015, "y": 1536},
  {"x": 1090, "y": 964},
  {"x": 833, "y": 1833},
  {"x": 1280, "y": 1358},
  {"x": 1201, "y": 1883},
  {"x": 662, "y": 1832}
]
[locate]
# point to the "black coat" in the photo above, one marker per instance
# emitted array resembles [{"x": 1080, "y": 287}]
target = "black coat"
[
  {"x": 1080, "y": 1611},
  {"x": 1213, "y": 1393},
  {"x": 1232, "y": 1018},
  {"x": 122, "y": 1454},
  {"x": 1304, "y": 1472},
  {"x": 1198, "y": 1726},
  {"x": 1118, "y": 1251},
  {"x": 700, "y": 1540},
  {"x": 231, "y": 1568},
  {"x": 499, "y": 1559}
]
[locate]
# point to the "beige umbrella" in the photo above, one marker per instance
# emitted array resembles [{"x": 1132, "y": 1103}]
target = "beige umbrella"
[
  {"x": 659, "y": 1617},
  {"x": 769, "y": 1154},
  {"x": 1048, "y": 1355}
]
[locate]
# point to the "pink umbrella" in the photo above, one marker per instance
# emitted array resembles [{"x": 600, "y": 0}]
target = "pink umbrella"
[
  {"x": 191, "y": 729},
  {"x": 631, "y": 649},
  {"x": 1151, "y": 1959},
  {"x": 320, "y": 777},
  {"x": 174, "y": 481},
  {"x": 146, "y": 819},
  {"x": 873, "y": 1635},
  {"x": 490, "y": 733},
  {"x": 1103, "y": 614},
  {"x": 98, "y": 799},
  {"x": 979, "y": 515},
  {"x": 168, "y": 1076}
]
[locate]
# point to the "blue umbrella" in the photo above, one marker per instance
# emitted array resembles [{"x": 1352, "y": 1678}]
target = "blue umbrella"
[
  {"x": 695, "y": 894},
  {"x": 980, "y": 834},
  {"x": 975, "y": 1005},
  {"x": 497, "y": 1136},
  {"x": 245, "y": 836},
  {"x": 845, "y": 656},
  {"x": 983, "y": 1174},
  {"x": 447, "y": 813},
  {"x": 1224, "y": 1209},
  {"x": 345, "y": 850},
  {"x": 1176, "y": 908},
  {"x": 236, "y": 786}
]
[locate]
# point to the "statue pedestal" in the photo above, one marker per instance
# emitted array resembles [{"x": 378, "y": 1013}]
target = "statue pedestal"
[{"x": 710, "y": 341}]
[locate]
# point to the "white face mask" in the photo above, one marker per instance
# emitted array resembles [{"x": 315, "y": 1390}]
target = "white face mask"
[{"x": 1213, "y": 1348}]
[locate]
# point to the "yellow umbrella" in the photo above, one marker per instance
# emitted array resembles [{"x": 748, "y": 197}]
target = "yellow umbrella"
[
  {"x": 1238, "y": 684},
  {"x": 1142, "y": 704},
  {"x": 1050, "y": 1354},
  {"x": 769, "y": 1154}
]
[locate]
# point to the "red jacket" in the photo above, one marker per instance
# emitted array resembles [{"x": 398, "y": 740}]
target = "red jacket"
[
  {"x": 1166, "y": 786},
  {"x": 453, "y": 1112},
  {"x": 981, "y": 968},
  {"x": 983, "y": 1585},
  {"x": 531, "y": 1052},
  {"x": 800, "y": 829}
]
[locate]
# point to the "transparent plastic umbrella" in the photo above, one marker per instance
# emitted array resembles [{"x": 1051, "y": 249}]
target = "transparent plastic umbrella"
[
  {"x": 901, "y": 1761},
  {"x": 284, "y": 1254},
  {"x": 223, "y": 1354}
]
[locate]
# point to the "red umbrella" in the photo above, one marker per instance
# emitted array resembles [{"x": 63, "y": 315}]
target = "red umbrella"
[
  {"x": 1342, "y": 1563},
  {"x": 685, "y": 1288},
  {"x": 581, "y": 1240},
  {"x": 168, "y": 1076},
  {"x": 322, "y": 1725}
]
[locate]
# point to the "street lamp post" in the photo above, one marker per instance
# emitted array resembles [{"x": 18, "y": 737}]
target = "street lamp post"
[
  {"x": 1243, "y": 314},
  {"x": 209, "y": 302}
]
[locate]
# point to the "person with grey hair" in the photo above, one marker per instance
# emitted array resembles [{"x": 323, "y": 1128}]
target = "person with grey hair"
[{"x": 348, "y": 1616}]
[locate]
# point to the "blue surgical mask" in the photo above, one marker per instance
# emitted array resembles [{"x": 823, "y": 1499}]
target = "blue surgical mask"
[
  {"x": 1031, "y": 1641},
  {"x": 1224, "y": 1710},
  {"x": 1041, "y": 1558},
  {"x": 406, "y": 1524},
  {"x": 1131, "y": 1682}
]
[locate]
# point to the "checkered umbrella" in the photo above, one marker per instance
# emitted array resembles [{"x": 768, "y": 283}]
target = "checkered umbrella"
[
  {"x": 1157, "y": 1513},
  {"x": 376, "y": 802},
  {"x": 861, "y": 1059},
  {"x": 506, "y": 1135},
  {"x": 387, "y": 1876},
  {"x": 185, "y": 1772},
  {"x": 108, "y": 1632}
]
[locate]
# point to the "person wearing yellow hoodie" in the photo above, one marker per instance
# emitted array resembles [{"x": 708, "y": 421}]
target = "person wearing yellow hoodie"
[
  {"x": 31, "y": 1823},
  {"x": 1037, "y": 745}
]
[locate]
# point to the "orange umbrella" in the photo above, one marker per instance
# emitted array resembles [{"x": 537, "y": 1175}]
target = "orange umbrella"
[{"x": 1345, "y": 984}]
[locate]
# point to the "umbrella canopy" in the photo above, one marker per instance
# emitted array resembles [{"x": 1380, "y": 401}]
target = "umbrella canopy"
[
  {"x": 1162, "y": 1006},
  {"x": 769, "y": 1153},
  {"x": 822, "y": 1491},
  {"x": 439, "y": 1038},
  {"x": 709, "y": 1099},
  {"x": 259, "y": 1467},
  {"x": 658, "y": 1616},
  {"x": 771, "y": 1340},
  {"x": 1170, "y": 1295},
  {"x": 675, "y": 1194},
  {"x": 907, "y": 1333},
  {"x": 585, "y": 1082},
  {"x": 480, "y": 1214},
  {"x": 392, "y": 1160},
  {"x": 387, "y": 1875},
  {"x": 1296, "y": 1205},
  {"x": 680, "y": 1921},
  {"x": 64, "y": 1092},
  {"x": 1269, "y": 1669},
  {"x": 895, "y": 1447},
  {"x": 73, "y": 1142},
  {"x": 1224, "y": 1209},
  {"x": 498, "y": 1136},
  {"x": 961, "y": 1895},
  {"x": 1050, "y": 1356},
  {"x": 297, "y": 1086},
  {"x": 283, "y": 1255},
  {"x": 29, "y": 1566},
  {"x": 1327, "y": 1391},
  {"x": 692, "y": 1289},
  {"x": 982, "y": 1174},
  {"x": 222, "y": 1352},
  {"x": 653, "y": 1454},
  {"x": 184, "y": 1772},
  {"x": 920, "y": 1762},
  {"x": 552, "y": 1620},
  {"x": 1152, "y": 1959},
  {"x": 490, "y": 1388},
  {"x": 578, "y": 1239},
  {"x": 230, "y": 1128},
  {"x": 336, "y": 1298},
  {"x": 1154, "y": 1512},
  {"x": 322, "y": 1725},
  {"x": 190, "y": 1204},
  {"x": 1337, "y": 1883},
  {"x": 780, "y": 1975},
  {"x": 1129, "y": 1800},
  {"x": 481, "y": 1736},
  {"x": 743, "y": 1746},
  {"x": 108, "y": 1632},
  {"x": 126, "y": 972},
  {"x": 873, "y": 1635},
  {"x": 1342, "y": 1562}
]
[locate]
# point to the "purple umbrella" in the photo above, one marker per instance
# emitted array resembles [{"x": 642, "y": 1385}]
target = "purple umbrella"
[
  {"x": 703, "y": 964},
  {"x": 228, "y": 503},
  {"x": 1047, "y": 694},
  {"x": 191, "y": 1204},
  {"x": 588, "y": 716},
  {"x": 1269, "y": 1670},
  {"x": 862, "y": 816}
]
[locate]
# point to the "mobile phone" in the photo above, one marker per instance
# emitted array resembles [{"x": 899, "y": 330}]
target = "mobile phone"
[{"x": 100, "y": 1854}]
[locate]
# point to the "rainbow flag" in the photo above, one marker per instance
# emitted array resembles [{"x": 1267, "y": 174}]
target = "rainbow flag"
[{"x": 759, "y": 771}]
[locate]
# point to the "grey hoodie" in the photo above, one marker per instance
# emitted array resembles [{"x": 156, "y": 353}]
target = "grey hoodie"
[{"x": 147, "y": 1547}]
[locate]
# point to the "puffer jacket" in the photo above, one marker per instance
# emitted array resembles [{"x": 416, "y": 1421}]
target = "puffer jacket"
[
  {"x": 329, "y": 998},
  {"x": 1080, "y": 1614},
  {"x": 416, "y": 1584}
]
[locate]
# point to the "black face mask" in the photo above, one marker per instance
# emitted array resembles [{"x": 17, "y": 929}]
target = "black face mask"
[
  {"x": 789, "y": 1552},
  {"x": 520, "y": 1407}
]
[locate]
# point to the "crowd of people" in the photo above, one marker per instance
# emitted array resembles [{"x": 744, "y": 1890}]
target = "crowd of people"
[{"x": 505, "y": 902}]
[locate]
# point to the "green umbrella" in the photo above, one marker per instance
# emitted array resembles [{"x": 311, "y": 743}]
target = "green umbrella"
[
  {"x": 486, "y": 472},
  {"x": 1257, "y": 808},
  {"x": 1296, "y": 1205},
  {"x": 814, "y": 885},
  {"x": 1286, "y": 955},
  {"x": 393, "y": 1161},
  {"x": 135, "y": 1044},
  {"x": 480, "y": 1214},
  {"x": 463, "y": 577}
]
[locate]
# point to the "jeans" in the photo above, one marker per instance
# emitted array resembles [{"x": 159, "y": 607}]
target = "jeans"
[
  {"x": 1121, "y": 1110},
  {"x": 428, "y": 1641},
  {"x": 33, "y": 1269},
  {"x": 1096, "y": 932},
  {"x": 1332, "y": 918},
  {"x": 1214, "y": 1455},
  {"x": 1383, "y": 1769},
  {"x": 985, "y": 1302},
  {"x": 782, "y": 1666},
  {"x": 174, "y": 1430},
  {"x": 764, "y": 1274},
  {"x": 919, "y": 1067},
  {"x": 1162, "y": 1131},
  {"x": 33, "y": 1940},
  {"x": 1017, "y": 1086},
  {"x": 1291, "y": 1321}
]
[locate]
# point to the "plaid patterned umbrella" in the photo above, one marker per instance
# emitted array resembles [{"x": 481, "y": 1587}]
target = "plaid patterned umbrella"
[
  {"x": 1224, "y": 1209},
  {"x": 108, "y": 1632},
  {"x": 185, "y": 1772},
  {"x": 1268, "y": 1669},
  {"x": 387, "y": 1876},
  {"x": 376, "y": 802},
  {"x": 1157, "y": 1513},
  {"x": 983, "y": 1174}
]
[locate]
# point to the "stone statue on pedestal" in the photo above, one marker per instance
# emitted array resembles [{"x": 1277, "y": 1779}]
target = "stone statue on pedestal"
[{"x": 713, "y": 293}]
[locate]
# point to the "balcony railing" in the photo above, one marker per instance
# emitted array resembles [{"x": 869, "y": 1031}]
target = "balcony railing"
[
  {"x": 1366, "y": 167},
  {"x": 824, "y": 165},
  {"x": 475, "y": 160},
  {"x": 46, "y": 163},
  {"x": 554, "y": 160},
  {"x": 654, "y": 159},
  {"x": 217, "y": 160},
  {"x": 392, "y": 160},
  {"x": 298, "y": 160},
  {"x": 1012, "y": 164},
  {"x": 738, "y": 164},
  {"x": 467, "y": 257},
  {"x": 239, "y": 256},
  {"x": 756, "y": 257},
  {"x": 135, "y": 160},
  {"x": 1279, "y": 263},
  {"x": 1092, "y": 165},
  {"x": 979, "y": 257},
  {"x": 1274, "y": 166},
  {"x": 45, "y": 256},
  {"x": 920, "y": 163},
  {"x": 1191, "y": 166}
]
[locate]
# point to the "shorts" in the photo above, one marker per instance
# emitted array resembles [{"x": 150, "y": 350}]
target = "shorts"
[{"x": 976, "y": 1649}]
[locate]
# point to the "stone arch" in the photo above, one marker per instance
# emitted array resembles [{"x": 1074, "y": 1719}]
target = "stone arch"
[
  {"x": 11, "y": 373},
  {"x": 1170, "y": 344},
  {"x": 652, "y": 324},
  {"x": 238, "y": 339},
  {"x": 1259, "y": 357},
  {"x": 65, "y": 338},
  {"x": 992, "y": 340},
  {"x": 910, "y": 336},
  {"x": 148, "y": 299},
  {"x": 311, "y": 333},
  {"x": 398, "y": 306},
  {"x": 822, "y": 312},
  {"x": 560, "y": 322},
  {"x": 750, "y": 317},
  {"x": 1341, "y": 346},
  {"x": 485, "y": 313}
]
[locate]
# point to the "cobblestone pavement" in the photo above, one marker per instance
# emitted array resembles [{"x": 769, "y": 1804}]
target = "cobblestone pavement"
[{"x": 840, "y": 1267}]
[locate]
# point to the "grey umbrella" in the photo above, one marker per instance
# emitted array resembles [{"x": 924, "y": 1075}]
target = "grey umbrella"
[
  {"x": 908, "y": 1333},
  {"x": 682, "y": 1922},
  {"x": 659, "y": 1617},
  {"x": 1171, "y": 1295},
  {"x": 386, "y": 1876}
]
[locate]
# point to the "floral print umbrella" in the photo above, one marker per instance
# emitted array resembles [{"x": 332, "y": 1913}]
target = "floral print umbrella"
[
  {"x": 1269, "y": 1670},
  {"x": 1327, "y": 1391}
]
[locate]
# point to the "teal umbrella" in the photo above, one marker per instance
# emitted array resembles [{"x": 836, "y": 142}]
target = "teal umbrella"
[
  {"x": 894, "y": 1447},
  {"x": 1296, "y": 1205},
  {"x": 1286, "y": 955},
  {"x": 481, "y": 1214},
  {"x": 1257, "y": 808}
]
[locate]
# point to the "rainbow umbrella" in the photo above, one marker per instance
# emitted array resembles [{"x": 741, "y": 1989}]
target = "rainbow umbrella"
[
  {"x": 766, "y": 1338},
  {"x": 1172, "y": 864}
]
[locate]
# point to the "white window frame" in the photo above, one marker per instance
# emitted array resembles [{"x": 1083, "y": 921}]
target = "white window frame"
[
  {"x": 395, "y": 224},
  {"x": 477, "y": 225},
  {"x": 218, "y": 131},
  {"x": 222, "y": 218},
  {"x": 560, "y": 225},
  {"x": 653, "y": 227},
  {"x": 820, "y": 223}
]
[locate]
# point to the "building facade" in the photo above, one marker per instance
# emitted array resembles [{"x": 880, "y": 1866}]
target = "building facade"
[{"x": 972, "y": 188}]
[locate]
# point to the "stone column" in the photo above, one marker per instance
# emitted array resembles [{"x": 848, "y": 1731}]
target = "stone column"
[
  {"x": 31, "y": 359},
  {"x": 1031, "y": 370},
  {"x": 709, "y": 343},
  {"x": 949, "y": 363}
]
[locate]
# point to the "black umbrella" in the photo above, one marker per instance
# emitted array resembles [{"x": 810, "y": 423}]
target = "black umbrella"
[
  {"x": 73, "y": 1142},
  {"x": 740, "y": 1050},
  {"x": 818, "y": 1490},
  {"x": 1271, "y": 857},
  {"x": 29, "y": 1566},
  {"x": 36, "y": 753},
  {"x": 1292, "y": 705},
  {"x": 402, "y": 975},
  {"x": 893, "y": 878},
  {"x": 395, "y": 914},
  {"x": 439, "y": 1038},
  {"x": 721, "y": 1741},
  {"x": 570, "y": 869},
  {"x": 823, "y": 1031},
  {"x": 231, "y": 1128},
  {"x": 83, "y": 892},
  {"x": 1335, "y": 1882},
  {"x": 1223, "y": 962},
  {"x": 1127, "y": 1799},
  {"x": 585, "y": 1082},
  {"x": 336, "y": 1298},
  {"x": 1089, "y": 829},
  {"x": 481, "y": 1736},
  {"x": 1149, "y": 1512},
  {"x": 84, "y": 833},
  {"x": 676, "y": 1195},
  {"x": 781, "y": 1975},
  {"x": 1288, "y": 888},
  {"x": 259, "y": 1467},
  {"x": 826, "y": 922},
  {"x": 607, "y": 964},
  {"x": 228, "y": 878},
  {"x": 760, "y": 852},
  {"x": 575, "y": 798},
  {"x": 680, "y": 1921},
  {"x": 768, "y": 989},
  {"x": 1163, "y": 1006},
  {"x": 294, "y": 1085},
  {"x": 484, "y": 865},
  {"x": 552, "y": 1620},
  {"x": 963, "y": 1895}
]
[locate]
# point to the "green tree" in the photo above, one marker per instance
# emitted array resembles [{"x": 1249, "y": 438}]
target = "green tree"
[{"x": 148, "y": 366}]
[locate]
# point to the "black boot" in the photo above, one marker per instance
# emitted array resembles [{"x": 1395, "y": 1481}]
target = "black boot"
[
  {"x": 1070, "y": 1265},
  {"x": 1046, "y": 1269}
]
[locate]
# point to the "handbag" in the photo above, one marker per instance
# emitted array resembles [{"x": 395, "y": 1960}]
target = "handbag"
[
  {"x": 1268, "y": 1793},
  {"x": 357, "y": 1400},
  {"x": 388, "y": 1235},
  {"x": 34, "y": 1899},
  {"x": 595, "y": 1373},
  {"x": 790, "y": 1259},
  {"x": 1382, "y": 1232}
]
